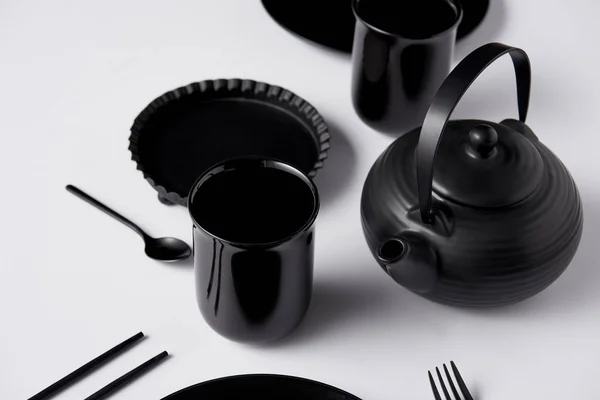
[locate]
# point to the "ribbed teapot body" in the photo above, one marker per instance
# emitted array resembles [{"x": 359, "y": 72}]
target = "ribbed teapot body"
[{"x": 486, "y": 256}]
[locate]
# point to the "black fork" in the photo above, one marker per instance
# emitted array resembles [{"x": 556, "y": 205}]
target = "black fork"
[{"x": 461, "y": 384}]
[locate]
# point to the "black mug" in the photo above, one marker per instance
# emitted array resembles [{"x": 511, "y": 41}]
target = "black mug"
[
  {"x": 253, "y": 247},
  {"x": 402, "y": 53}
]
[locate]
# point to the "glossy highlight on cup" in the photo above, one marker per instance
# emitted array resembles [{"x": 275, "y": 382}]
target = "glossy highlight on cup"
[
  {"x": 253, "y": 247},
  {"x": 401, "y": 55}
]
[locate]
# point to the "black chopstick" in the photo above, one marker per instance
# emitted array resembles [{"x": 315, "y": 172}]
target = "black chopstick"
[
  {"x": 128, "y": 377},
  {"x": 87, "y": 368}
]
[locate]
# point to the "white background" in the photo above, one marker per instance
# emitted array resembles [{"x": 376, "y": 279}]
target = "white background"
[{"x": 73, "y": 282}]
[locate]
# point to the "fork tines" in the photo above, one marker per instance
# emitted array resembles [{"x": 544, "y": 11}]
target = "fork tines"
[{"x": 459, "y": 380}]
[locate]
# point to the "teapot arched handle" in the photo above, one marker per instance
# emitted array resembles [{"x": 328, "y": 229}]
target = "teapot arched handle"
[{"x": 446, "y": 100}]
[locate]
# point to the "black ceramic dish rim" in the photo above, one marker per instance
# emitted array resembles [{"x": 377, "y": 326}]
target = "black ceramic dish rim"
[
  {"x": 338, "y": 49},
  {"x": 455, "y": 25},
  {"x": 269, "y": 376},
  {"x": 306, "y": 113},
  {"x": 267, "y": 163},
  {"x": 347, "y": 49}
]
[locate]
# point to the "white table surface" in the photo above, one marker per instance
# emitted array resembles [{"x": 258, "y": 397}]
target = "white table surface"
[{"x": 73, "y": 282}]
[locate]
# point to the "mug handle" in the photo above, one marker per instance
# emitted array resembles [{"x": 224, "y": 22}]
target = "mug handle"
[{"x": 446, "y": 100}]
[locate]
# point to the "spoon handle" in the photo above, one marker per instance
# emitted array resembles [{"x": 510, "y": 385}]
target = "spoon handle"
[{"x": 86, "y": 197}]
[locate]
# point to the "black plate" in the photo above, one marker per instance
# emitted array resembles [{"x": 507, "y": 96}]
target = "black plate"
[
  {"x": 184, "y": 132},
  {"x": 261, "y": 387},
  {"x": 330, "y": 23}
]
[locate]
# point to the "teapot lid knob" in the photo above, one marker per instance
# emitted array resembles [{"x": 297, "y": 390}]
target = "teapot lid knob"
[
  {"x": 483, "y": 164},
  {"x": 483, "y": 139}
]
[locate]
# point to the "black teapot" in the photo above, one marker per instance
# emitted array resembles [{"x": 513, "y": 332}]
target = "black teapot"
[{"x": 469, "y": 212}]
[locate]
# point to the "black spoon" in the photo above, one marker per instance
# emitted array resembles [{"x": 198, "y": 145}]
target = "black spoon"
[{"x": 162, "y": 249}]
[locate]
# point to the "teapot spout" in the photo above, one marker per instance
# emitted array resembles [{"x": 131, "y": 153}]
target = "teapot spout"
[{"x": 410, "y": 261}]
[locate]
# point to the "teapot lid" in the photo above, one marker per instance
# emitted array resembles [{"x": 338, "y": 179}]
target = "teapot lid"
[{"x": 482, "y": 164}]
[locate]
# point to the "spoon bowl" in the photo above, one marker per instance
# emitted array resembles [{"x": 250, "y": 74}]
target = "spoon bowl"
[
  {"x": 166, "y": 249},
  {"x": 161, "y": 249}
]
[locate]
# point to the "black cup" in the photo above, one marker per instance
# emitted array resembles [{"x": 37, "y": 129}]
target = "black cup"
[
  {"x": 402, "y": 53},
  {"x": 253, "y": 247}
]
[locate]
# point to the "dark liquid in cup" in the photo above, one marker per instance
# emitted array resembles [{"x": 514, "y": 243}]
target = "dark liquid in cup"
[
  {"x": 253, "y": 205},
  {"x": 414, "y": 19}
]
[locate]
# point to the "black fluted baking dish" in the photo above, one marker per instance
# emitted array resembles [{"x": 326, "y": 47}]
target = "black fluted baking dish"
[{"x": 185, "y": 131}]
